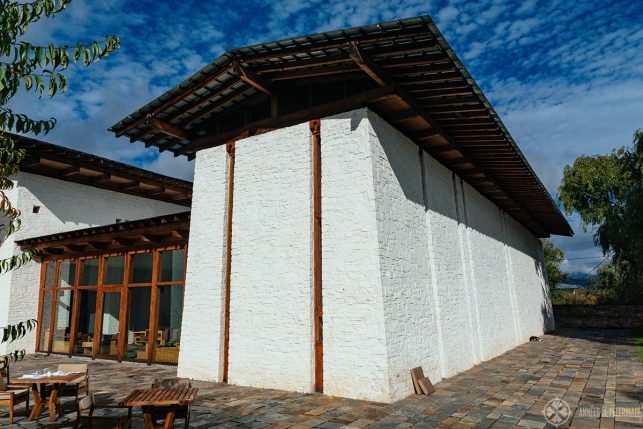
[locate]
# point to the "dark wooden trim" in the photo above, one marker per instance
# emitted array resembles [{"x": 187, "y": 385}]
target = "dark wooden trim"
[
  {"x": 228, "y": 262},
  {"x": 315, "y": 129},
  {"x": 321, "y": 110},
  {"x": 75, "y": 308},
  {"x": 251, "y": 78},
  {"x": 154, "y": 310},
  {"x": 43, "y": 271},
  {"x": 52, "y": 315},
  {"x": 170, "y": 129}
]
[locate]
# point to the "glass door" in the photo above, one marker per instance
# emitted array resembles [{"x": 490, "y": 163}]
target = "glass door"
[
  {"x": 84, "y": 343},
  {"x": 110, "y": 324},
  {"x": 138, "y": 323}
]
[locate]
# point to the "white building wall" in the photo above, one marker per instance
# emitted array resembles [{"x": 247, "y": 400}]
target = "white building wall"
[
  {"x": 64, "y": 206},
  {"x": 418, "y": 267},
  {"x": 202, "y": 327},
  {"x": 448, "y": 278},
  {"x": 409, "y": 310},
  {"x": 271, "y": 313},
  {"x": 355, "y": 354}
]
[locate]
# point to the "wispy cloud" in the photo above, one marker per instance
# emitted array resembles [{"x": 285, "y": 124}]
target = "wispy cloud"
[{"x": 565, "y": 77}]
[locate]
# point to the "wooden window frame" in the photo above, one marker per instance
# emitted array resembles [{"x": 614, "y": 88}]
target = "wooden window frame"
[{"x": 100, "y": 289}]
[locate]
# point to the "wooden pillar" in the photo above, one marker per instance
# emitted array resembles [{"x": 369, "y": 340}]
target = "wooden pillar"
[
  {"x": 315, "y": 126},
  {"x": 228, "y": 261}
]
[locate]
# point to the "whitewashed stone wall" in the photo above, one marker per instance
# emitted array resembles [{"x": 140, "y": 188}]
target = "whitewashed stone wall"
[
  {"x": 418, "y": 268},
  {"x": 448, "y": 278},
  {"x": 271, "y": 278},
  {"x": 355, "y": 354},
  {"x": 202, "y": 327},
  {"x": 64, "y": 206}
]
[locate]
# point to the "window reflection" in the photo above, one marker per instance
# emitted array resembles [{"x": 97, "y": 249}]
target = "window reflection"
[
  {"x": 142, "y": 268},
  {"x": 114, "y": 268},
  {"x": 89, "y": 270}
]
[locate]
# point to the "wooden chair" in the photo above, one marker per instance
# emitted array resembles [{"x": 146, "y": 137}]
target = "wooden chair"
[
  {"x": 81, "y": 384},
  {"x": 182, "y": 412},
  {"x": 11, "y": 396},
  {"x": 85, "y": 416}
]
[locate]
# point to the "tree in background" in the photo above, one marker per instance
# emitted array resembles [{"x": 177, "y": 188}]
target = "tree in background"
[
  {"x": 607, "y": 192},
  {"x": 37, "y": 68},
  {"x": 553, "y": 258}
]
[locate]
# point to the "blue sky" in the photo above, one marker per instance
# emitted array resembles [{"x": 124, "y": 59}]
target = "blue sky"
[{"x": 566, "y": 77}]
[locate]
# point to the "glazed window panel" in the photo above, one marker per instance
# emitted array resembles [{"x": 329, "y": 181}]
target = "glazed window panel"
[
  {"x": 84, "y": 343},
  {"x": 138, "y": 328},
  {"x": 108, "y": 344},
  {"x": 45, "y": 320},
  {"x": 67, "y": 274},
  {"x": 89, "y": 270},
  {"x": 142, "y": 268},
  {"x": 168, "y": 340},
  {"x": 62, "y": 325},
  {"x": 114, "y": 270},
  {"x": 172, "y": 265},
  {"x": 50, "y": 272}
]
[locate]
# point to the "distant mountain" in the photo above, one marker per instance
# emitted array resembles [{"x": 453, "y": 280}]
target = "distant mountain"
[{"x": 581, "y": 279}]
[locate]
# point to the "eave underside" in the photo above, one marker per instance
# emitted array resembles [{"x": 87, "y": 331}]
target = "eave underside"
[
  {"x": 403, "y": 70},
  {"x": 160, "y": 231},
  {"x": 58, "y": 162}
]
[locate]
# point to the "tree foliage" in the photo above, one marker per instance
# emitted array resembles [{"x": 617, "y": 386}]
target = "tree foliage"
[
  {"x": 607, "y": 192},
  {"x": 553, "y": 258},
  {"x": 29, "y": 67}
]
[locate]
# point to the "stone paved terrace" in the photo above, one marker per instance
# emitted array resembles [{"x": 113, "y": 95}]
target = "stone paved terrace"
[{"x": 585, "y": 368}]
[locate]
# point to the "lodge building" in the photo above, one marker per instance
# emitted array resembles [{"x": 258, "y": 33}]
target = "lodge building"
[{"x": 358, "y": 209}]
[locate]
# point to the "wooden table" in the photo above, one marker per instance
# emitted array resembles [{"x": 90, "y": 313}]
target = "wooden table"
[
  {"x": 170, "y": 398},
  {"x": 38, "y": 391}
]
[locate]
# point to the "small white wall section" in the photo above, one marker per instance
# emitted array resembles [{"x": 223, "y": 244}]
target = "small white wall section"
[
  {"x": 202, "y": 327},
  {"x": 355, "y": 353},
  {"x": 64, "y": 206},
  {"x": 271, "y": 341}
]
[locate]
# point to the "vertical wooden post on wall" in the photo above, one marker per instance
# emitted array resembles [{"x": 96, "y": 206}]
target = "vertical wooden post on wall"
[
  {"x": 154, "y": 310},
  {"x": 315, "y": 126},
  {"x": 74, "y": 309},
  {"x": 122, "y": 311},
  {"x": 41, "y": 293},
  {"x": 52, "y": 315},
  {"x": 230, "y": 147}
]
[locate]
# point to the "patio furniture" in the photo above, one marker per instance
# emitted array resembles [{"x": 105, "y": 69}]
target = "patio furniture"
[
  {"x": 85, "y": 415},
  {"x": 182, "y": 411},
  {"x": 38, "y": 383},
  {"x": 79, "y": 385},
  {"x": 172, "y": 398},
  {"x": 11, "y": 396}
]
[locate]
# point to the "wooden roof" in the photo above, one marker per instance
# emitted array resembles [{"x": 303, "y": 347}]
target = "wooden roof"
[
  {"x": 62, "y": 163},
  {"x": 159, "y": 231},
  {"x": 404, "y": 70}
]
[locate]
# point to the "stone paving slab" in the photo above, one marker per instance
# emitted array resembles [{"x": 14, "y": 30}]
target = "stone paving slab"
[{"x": 588, "y": 369}]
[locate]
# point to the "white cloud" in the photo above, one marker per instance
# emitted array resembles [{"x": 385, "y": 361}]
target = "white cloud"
[{"x": 565, "y": 77}]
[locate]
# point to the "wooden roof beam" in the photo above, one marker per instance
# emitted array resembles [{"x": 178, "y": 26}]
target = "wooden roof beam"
[
  {"x": 69, "y": 171},
  {"x": 369, "y": 66},
  {"x": 253, "y": 79},
  {"x": 170, "y": 129},
  {"x": 98, "y": 245},
  {"x": 325, "y": 109}
]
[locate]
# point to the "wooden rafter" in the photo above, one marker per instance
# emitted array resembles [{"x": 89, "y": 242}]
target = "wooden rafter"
[
  {"x": 252, "y": 78},
  {"x": 322, "y": 110},
  {"x": 169, "y": 129}
]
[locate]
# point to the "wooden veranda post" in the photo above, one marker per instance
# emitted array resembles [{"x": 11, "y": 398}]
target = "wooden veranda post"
[
  {"x": 228, "y": 261},
  {"x": 315, "y": 126}
]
